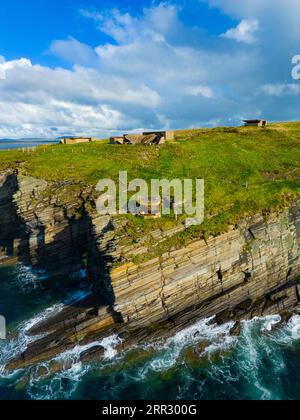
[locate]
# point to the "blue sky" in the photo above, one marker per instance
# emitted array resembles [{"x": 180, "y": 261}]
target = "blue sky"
[
  {"x": 100, "y": 67},
  {"x": 30, "y": 31}
]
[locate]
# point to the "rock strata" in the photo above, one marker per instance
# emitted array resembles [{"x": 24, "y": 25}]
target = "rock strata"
[{"x": 252, "y": 270}]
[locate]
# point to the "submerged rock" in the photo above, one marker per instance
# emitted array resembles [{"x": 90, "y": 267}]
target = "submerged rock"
[
  {"x": 285, "y": 316},
  {"x": 92, "y": 354},
  {"x": 236, "y": 329}
]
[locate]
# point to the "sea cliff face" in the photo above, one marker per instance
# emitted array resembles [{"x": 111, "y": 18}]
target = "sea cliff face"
[
  {"x": 251, "y": 270},
  {"x": 37, "y": 228}
]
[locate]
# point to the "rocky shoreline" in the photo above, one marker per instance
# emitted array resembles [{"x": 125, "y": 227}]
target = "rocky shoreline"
[{"x": 252, "y": 270}]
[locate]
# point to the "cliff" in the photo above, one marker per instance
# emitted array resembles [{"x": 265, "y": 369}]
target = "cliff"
[
  {"x": 253, "y": 269},
  {"x": 42, "y": 230}
]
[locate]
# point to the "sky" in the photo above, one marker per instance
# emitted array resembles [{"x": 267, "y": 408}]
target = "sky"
[{"x": 100, "y": 67}]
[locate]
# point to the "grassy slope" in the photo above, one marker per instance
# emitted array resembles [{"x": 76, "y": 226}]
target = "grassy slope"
[{"x": 246, "y": 170}]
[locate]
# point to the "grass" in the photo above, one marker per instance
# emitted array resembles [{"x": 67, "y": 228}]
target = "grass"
[{"x": 246, "y": 170}]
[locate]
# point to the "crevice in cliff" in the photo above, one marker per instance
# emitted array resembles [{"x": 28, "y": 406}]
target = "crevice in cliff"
[
  {"x": 297, "y": 294},
  {"x": 47, "y": 235},
  {"x": 247, "y": 276},
  {"x": 14, "y": 237},
  {"x": 289, "y": 273},
  {"x": 97, "y": 263},
  {"x": 251, "y": 234},
  {"x": 220, "y": 275}
]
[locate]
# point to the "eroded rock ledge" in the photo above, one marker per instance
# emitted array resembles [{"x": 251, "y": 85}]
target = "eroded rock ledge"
[{"x": 252, "y": 270}]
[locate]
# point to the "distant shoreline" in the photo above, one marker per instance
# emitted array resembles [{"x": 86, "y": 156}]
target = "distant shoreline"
[{"x": 10, "y": 144}]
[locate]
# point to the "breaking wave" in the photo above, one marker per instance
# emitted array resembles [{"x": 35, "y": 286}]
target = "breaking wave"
[
  {"x": 21, "y": 339},
  {"x": 63, "y": 384},
  {"x": 248, "y": 367},
  {"x": 201, "y": 362}
]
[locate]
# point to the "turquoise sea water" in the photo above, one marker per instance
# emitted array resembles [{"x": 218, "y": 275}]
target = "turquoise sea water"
[{"x": 261, "y": 364}]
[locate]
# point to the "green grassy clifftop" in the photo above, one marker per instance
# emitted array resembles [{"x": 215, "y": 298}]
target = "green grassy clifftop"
[{"x": 246, "y": 170}]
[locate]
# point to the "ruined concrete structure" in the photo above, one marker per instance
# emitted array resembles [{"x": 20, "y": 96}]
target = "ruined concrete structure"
[
  {"x": 166, "y": 135},
  {"x": 147, "y": 139},
  {"x": 78, "y": 140},
  {"x": 116, "y": 140},
  {"x": 252, "y": 270},
  {"x": 255, "y": 123},
  {"x": 150, "y": 208}
]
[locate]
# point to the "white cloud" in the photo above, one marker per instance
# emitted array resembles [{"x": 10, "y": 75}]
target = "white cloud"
[
  {"x": 34, "y": 99},
  {"x": 157, "y": 73},
  {"x": 251, "y": 8},
  {"x": 2, "y": 71},
  {"x": 80, "y": 85},
  {"x": 281, "y": 89},
  {"x": 6, "y": 66},
  {"x": 272, "y": 14},
  {"x": 244, "y": 32},
  {"x": 73, "y": 51},
  {"x": 155, "y": 23},
  {"x": 204, "y": 91},
  {"x": 25, "y": 120}
]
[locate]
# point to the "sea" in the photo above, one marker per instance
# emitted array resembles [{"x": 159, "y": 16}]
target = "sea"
[
  {"x": 203, "y": 362},
  {"x": 9, "y": 144}
]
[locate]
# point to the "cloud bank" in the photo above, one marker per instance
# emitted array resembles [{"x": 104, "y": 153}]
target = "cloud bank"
[{"x": 158, "y": 72}]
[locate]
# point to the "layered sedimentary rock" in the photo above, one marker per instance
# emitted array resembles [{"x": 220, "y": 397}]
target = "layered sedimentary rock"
[
  {"x": 251, "y": 270},
  {"x": 40, "y": 229}
]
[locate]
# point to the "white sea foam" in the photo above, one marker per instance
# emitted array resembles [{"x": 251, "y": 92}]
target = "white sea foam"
[
  {"x": 294, "y": 327},
  {"x": 259, "y": 352},
  {"x": 28, "y": 278},
  {"x": 169, "y": 352},
  {"x": 109, "y": 344},
  {"x": 64, "y": 383},
  {"x": 258, "y": 343},
  {"x": 20, "y": 343},
  {"x": 269, "y": 322},
  {"x": 255, "y": 344},
  {"x": 53, "y": 310},
  {"x": 166, "y": 356}
]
